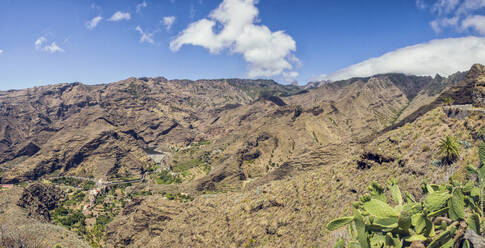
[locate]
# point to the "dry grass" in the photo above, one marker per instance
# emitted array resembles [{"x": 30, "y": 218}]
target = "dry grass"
[{"x": 19, "y": 238}]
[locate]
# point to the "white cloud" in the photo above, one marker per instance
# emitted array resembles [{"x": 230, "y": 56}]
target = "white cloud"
[
  {"x": 470, "y": 5},
  {"x": 439, "y": 24},
  {"x": 119, "y": 16},
  {"x": 444, "y": 56},
  {"x": 453, "y": 14},
  {"x": 420, "y": 4},
  {"x": 41, "y": 44},
  {"x": 1, "y": 51},
  {"x": 93, "y": 22},
  {"x": 145, "y": 37},
  {"x": 445, "y": 6},
  {"x": 476, "y": 22},
  {"x": 168, "y": 21},
  {"x": 52, "y": 48},
  {"x": 268, "y": 53},
  {"x": 141, "y": 6}
]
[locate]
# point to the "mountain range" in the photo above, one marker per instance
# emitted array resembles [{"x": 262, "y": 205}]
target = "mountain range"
[{"x": 151, "y": 162}]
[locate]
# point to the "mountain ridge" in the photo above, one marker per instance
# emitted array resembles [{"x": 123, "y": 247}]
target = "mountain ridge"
[{"x": 254, "y": 152}]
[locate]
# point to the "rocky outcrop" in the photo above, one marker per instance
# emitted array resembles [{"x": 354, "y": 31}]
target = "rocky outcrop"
[
  {"x": 477, "y": 75},
  {"x": 141, "y": 219},
  {"x": 38, "y": 199}
]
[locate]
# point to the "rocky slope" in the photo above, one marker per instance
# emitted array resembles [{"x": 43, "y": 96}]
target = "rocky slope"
[{"x": 229, "y": 163}]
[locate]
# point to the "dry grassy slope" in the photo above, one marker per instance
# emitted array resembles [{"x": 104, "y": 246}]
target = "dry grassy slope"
[
  {"x": 321, "y": 127},
  {"x": 15, "y": 221},
  {"x": 291, "y": 204},
  {"x": 363, "y": 106},
  {"x": 293, "y": 211}
]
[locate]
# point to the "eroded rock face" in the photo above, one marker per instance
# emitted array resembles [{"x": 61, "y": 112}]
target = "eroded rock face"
[
  {"x": 100, "y": 130},
  {"x": 479, "y": 90},
  {"x": 38, "y": 199},
  {"x": 473, "y": 87}
]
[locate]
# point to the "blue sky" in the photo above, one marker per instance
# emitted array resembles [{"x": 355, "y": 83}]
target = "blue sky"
[{"x": 56, "y": 41}]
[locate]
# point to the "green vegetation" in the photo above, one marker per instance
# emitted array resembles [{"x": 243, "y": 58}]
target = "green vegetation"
[
  {"x": 178, "y": 197},
  {"x": 76, "y": 198},
  {"x": 203, "y": 143},
  {"x": 165, "y": 177},
  {"x": 68, "y": 218},
  {"x": 96, "y": 233},
  {"x": 73, "y": 182},
  {"x": 441, "y": 219},
  {"x": 394, "y": 120},
  {"x": 449, "y": 149},
  {"x": 89, "y": 185},
  {"x": 448, "y": 101},
  {"x": 183, "y": 166},
  {"x": 68, "y": 181}
]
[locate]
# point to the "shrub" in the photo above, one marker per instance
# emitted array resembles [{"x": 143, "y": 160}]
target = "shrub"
[
  {"x": 449, "y": 149},
  {"x": 448, "y": 101}
]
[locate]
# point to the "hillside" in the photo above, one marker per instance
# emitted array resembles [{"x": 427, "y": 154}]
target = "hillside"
[{"x": 226, "y": 163}]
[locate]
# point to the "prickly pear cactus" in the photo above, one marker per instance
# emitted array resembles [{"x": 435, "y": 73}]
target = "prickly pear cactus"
[{"x": 440, "y": 220}]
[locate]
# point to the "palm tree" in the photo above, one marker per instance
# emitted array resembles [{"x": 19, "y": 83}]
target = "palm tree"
[{"x": 450, "y": 149}]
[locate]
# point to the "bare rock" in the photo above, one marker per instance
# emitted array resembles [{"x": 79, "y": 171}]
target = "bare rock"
[{"x": 38, "y": 199}]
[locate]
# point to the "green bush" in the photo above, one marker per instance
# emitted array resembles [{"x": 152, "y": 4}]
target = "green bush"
[{"x": 448, "y": 101}]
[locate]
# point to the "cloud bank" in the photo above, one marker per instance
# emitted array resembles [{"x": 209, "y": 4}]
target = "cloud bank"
[
  {"x": 41, "y": 44},
  {"x": 443, "y": 56},
  {"x": 120, "y": 16},
  {"x": 233, "y": 26}
]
